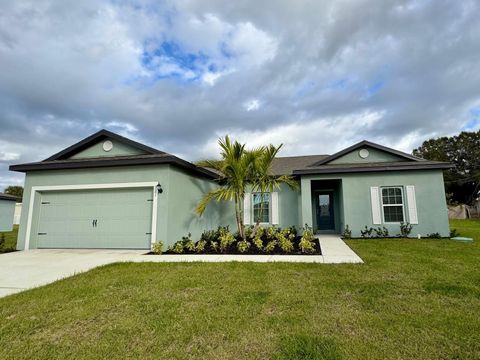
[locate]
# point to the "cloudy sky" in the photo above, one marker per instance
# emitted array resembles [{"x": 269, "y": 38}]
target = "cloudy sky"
[{"x": 314, "y": 75}]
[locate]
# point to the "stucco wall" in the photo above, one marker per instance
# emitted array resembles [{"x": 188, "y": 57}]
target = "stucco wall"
[
  {"x": 185, "y": 191},
  {"x": 429, "y": 190},
  {"x": 374, "y": 155},
  {"x": 96, "y": 150},
  {"x": 7, "y": 209}
]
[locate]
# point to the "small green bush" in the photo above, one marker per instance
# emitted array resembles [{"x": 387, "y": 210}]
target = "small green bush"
[
  {"x": 285, "y": 241},
  {"x": 366, "y": 232},
  {"x": 178, "y": 247},
  {"x": 226, "y": 239},
  {"x": 157, "y": 248},
  {"x": 405, "y": 229},
  {"x": 381, "y": 232},
  {"x": 307, "y": 242},
  {"x": 271, "y": 245},
  {"x": 200, "y": 247},
  {"x": 2, "y": 240},
  {"x": 347, "y": 233},
  {"x": 258, "y": 244},
  {"x": 434, "y": 236},
  {"x": 243, "y": 246}
]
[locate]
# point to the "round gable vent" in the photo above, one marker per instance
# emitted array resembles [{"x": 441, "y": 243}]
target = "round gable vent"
[
  {"x": 363, "y": 153},
  {"x": 107, "y": 145}
]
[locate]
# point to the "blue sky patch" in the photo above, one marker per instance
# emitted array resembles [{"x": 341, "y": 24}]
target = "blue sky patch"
[
  {"x": 474, "y": 123},
  {"x": 170, "y": 60}
]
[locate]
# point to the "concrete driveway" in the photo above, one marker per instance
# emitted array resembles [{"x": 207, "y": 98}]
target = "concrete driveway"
[{"x": 23, "y": 270}]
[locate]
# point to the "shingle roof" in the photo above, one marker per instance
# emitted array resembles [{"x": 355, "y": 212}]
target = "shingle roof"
[{"x": 286, "y": 165}]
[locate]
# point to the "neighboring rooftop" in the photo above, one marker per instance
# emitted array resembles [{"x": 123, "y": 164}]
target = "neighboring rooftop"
[{"x": 8, "y": 197}]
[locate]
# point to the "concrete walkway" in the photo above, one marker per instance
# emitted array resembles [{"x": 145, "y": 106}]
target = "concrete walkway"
[
  {"x": 23, "y": 270},
  {"x": 335, "y": 251}
]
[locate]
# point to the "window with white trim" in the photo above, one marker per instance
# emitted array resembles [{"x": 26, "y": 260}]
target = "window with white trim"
[
  {"x": 261, "y": 207},
  {"x": 393, "y": 204}
]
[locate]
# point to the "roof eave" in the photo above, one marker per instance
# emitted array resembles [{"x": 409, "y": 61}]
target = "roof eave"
[
  {"x": 84, "y": 164},
  {"x": 315, "y": 171}
]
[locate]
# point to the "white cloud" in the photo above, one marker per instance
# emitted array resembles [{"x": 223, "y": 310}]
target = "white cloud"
[
  {"x": 9, "y": 156},
  {"x": 252, "y": 105}
]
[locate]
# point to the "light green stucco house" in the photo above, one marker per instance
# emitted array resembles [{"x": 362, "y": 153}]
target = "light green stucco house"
[
  {"x": 7, "y": 210},
  {"x": 111, "y": 192}
]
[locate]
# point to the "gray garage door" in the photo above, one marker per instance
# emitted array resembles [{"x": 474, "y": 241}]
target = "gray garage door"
[{"x": 108, "y": 219}]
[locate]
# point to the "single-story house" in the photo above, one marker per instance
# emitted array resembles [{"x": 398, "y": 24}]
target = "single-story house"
[
  {"x": 108, "y": 191},
  {"x": 7, "y": 209}
]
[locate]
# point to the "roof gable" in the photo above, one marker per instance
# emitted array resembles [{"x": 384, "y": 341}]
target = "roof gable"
[
  {"x": 375, "y": 154},
  {"x": 92, "y": 147}
]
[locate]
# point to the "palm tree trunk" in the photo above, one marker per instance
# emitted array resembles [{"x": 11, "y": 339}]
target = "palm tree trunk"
[{"x": 239, "y": 218}]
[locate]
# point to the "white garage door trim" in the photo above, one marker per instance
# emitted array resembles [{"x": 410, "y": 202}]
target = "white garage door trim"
[{"x": 36, "y": 189}]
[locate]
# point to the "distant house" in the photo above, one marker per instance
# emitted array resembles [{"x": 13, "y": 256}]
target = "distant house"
[
  {"x": 7, "y": 210},
  {"x": 108, "y": 191}
]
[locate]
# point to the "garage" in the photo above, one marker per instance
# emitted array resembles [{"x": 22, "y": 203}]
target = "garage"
[
  {"x": 101, "y": 218},
  {"x": 110, "y": 192}
]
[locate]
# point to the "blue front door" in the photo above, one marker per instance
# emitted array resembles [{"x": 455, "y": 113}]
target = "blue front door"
[{"x": 324, "y": 211}]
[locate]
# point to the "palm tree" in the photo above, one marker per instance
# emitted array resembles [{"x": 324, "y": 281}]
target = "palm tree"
[
  {"x": 264, "y": 182},
  {"x": 236, "y": 170},
  {"x": 239, "y": 170}
]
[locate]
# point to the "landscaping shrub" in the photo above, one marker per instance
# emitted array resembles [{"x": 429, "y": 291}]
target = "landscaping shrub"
[
  {"x": 259, "y": 240},
  {"x": 243, "y": 246},
  {"x": 200, "y": 247},
  {"x": 347, "y": 233},
  {"x": 434, "y": 236},
  {"x": 157, "y": 248},
  {"x": 226, "y": 239},
  {"x": 367, "y": 232},
  {"x": 381, "y": 232},
  {"x": 2, "y": 240},
  {"x": 307, "y": 242},
  {"x": 405, "y": 229}
]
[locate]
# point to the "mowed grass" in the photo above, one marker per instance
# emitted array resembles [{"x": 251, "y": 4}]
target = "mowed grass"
[
  {"x": 412, "y": 299},
  {"x": 10, "y": 240}
]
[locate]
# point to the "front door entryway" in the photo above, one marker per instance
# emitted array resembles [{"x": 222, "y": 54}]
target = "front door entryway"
[{"x": 325, "y": 210}]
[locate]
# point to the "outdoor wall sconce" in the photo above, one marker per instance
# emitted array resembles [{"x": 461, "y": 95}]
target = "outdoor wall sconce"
[{"x": 159, "y": 188}]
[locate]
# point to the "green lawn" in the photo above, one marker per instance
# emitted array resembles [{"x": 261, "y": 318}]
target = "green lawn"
[
  {"x": 10, "y": 240},
  {"x": 412, "y": 299}
]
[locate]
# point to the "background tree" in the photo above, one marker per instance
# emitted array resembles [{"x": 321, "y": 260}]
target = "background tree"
[
  {"x": 15, "y": 191},
  {"x": 463, "y": 151}
]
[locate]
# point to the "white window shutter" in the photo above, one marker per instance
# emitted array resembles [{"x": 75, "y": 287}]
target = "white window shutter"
[
  {"x": 376, "y": 213},
  {"x": 411, "y": 205},
  {"x": 247, "y": 209},
  {"x": 274, "y": 205}
]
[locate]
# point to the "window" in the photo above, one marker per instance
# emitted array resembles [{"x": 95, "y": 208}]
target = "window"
[
  {"x": 261, "y": 207},
  {"x": 392, "y": 204}
]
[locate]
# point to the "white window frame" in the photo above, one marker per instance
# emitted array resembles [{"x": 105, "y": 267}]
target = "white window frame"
[
  {"x": 384, "y": 205},
  {"x": 252, "y": 210}
]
